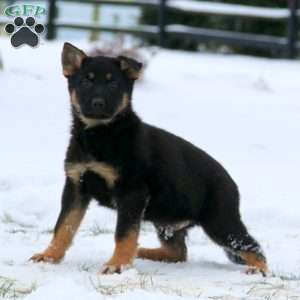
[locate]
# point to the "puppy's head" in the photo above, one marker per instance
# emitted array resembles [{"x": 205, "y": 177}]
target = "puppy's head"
[{"x": 100, "y": 87}]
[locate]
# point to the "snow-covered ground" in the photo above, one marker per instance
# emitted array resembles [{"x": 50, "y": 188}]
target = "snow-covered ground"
[{"x": 244, "y": 111}]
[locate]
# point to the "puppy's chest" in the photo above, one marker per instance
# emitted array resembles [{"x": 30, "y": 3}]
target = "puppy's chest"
[
  {"x": 77, "y": 171},
  {"x": 100, "y": 148}
]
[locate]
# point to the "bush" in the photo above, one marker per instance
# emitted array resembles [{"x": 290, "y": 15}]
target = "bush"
[{"x": 257, "y": 26}]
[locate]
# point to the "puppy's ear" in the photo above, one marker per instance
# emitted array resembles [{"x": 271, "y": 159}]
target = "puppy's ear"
[
  {"x": 72, "y": 58},
  {"x": 131, "y": 67}
]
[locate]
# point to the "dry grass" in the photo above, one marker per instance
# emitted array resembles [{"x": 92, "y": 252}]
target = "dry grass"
[
  {"x": 97, "y": 230},
  {"x": 6, "y": 218},
  {"x": 268, "y": 290},
  {"x": 143, "y": 281},
  {"x": 11, "y": 289}
]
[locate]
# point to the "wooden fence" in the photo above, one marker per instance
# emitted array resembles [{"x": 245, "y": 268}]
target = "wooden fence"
[{"x": 287, "y": 46}]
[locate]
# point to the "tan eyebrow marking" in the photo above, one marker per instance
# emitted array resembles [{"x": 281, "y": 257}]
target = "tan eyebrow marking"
[{"x": 108, "y": 76}]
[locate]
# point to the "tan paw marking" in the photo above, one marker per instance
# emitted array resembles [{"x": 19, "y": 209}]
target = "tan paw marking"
[
  {"x": 47, "y": 257},
  {"x": 112, "y": 269},
  {"x": 254, "y": 263}
]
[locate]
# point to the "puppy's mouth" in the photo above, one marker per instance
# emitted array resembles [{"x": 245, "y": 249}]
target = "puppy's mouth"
[{"x": 97, "y": 116}]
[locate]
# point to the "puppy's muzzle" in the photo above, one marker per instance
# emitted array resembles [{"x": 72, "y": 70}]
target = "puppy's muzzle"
[{"x": 98, "y": 104}]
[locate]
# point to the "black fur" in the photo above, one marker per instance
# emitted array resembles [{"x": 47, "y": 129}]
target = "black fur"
[{"x": 162, "y": 178}]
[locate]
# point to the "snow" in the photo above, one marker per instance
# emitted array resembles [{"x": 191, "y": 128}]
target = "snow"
[
  {"x": 205, "y": 7},
  {"x": 244, "y": 111}
]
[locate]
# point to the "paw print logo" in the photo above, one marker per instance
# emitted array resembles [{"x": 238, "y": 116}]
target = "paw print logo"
[{"x": 24, "y": 32}]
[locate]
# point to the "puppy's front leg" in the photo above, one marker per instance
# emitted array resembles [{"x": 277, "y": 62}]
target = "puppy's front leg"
[
  {"x": 130, "y": 209},
  {"x": 74, "y": 205}
]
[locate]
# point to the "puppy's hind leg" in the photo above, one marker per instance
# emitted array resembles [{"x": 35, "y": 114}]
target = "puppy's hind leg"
[
  {"x": 239, "y": 245},
  {"x": 173, "y": 247},
  {"x": 224, "y": 226}
]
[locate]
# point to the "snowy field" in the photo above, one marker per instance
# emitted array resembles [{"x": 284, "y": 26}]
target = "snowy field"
[{"x": 244, "y": 111}]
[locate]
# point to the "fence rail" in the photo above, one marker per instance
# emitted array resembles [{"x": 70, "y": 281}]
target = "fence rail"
[{"x": 287, "y": 46}]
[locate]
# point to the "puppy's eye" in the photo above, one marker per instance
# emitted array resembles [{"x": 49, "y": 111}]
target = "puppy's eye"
[
  {"x": 90, "y": 76},
  {"x": 108, "y": 76}
]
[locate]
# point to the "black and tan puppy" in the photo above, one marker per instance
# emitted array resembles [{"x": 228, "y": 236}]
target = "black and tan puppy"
[{"x": 143, "y": 172}]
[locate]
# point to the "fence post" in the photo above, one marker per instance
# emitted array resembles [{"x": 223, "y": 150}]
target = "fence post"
[
  {"x": 162, "y": 22},
  {"x": 292, "y": 29},
  {"x": 51, "y": 32}
]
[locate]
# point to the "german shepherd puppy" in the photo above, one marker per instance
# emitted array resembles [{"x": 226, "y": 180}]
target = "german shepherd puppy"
[{"x": 143, "y": 172}]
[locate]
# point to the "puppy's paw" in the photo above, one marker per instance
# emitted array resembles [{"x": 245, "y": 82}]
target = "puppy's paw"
[
  {"x": 255, "y": 270},
  {"x": 113, "y": 268},
  {"x": 48, "y": 257},
  {"x": 255, "y": 263}
]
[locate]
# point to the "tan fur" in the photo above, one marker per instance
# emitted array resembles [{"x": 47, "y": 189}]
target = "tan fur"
[
  {"x": 105, "y": 171},
  {"x": 74, "y": 101},
  {"x": 124, "y": 65},
  {"x": 67, "y": 71},
  {"x": 252, "y": 260},
  {"x": 72, "y": 58},
  {"x": 75, "y": 170},
  {"x": 161, "y": 254},
  {"x": 123, "y": 105},
  {"x": 132, "y": 73},
  {"x": 94, "y": 122},
  {"x": 87, "y": 121},
  {"x": 125, "y": 250},
  {"x": 63, "y": 237}
]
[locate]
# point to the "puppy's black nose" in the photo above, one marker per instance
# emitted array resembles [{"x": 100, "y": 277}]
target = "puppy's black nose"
[{"x": 98, "y": 103}]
